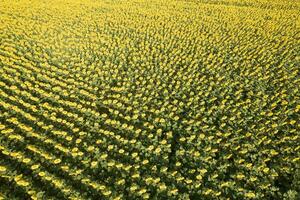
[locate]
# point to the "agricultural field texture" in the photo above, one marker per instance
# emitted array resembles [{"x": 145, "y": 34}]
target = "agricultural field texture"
[{"x": 150, "y": 99}]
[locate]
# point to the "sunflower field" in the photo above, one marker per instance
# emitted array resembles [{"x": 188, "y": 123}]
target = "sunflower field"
[{"x": 150, "y": 99}]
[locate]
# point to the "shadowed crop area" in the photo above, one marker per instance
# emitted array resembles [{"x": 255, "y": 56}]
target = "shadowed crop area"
[{"x": 150, "y": 99}]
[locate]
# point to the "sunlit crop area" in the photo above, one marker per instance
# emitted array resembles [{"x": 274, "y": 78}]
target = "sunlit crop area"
[{"x": 149, "y": 99}]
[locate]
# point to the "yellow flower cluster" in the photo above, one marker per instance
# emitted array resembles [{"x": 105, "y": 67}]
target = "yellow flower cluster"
[{"x": 162, "y": 99}]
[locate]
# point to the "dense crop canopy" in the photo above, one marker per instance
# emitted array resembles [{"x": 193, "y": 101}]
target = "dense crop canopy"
[{"x": 160, "y": 99}]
